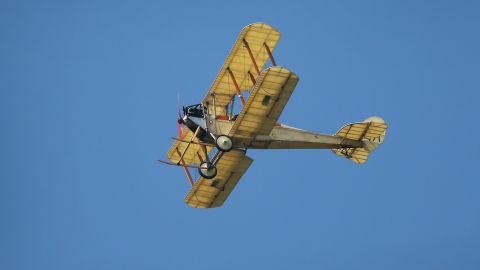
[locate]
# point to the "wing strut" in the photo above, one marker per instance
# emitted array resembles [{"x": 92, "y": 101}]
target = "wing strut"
[
  {"x": 200, "y": 157},
  {"x": 239, "y": 94},
  {"x": 251, "y": 56},
  {"x": 187, "y": 171},
  {"x": 188, "y": 145},
  {"x": 252, "y": 78},
  {"x": 270, "y": 54}
]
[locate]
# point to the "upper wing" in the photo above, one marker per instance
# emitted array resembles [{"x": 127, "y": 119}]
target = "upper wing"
[
  {"x": 239, "y": 62},
  {"x": 264, "y": 106},
  {"x": 193, "y": 151},
  {"x": 208, "y": 193}
]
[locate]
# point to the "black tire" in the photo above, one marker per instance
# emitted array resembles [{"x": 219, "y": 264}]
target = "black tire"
[{"x": 209, "y": 173}]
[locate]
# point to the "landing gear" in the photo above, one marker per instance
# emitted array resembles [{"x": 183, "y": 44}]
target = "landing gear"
[
  {"x": 224, "y": 143},
  {"x": 207, "y": 170}
]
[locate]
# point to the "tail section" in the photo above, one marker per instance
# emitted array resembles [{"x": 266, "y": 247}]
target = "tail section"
[{"x": 371, "y": 132}]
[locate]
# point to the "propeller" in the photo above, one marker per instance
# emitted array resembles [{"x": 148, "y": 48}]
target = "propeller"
[{"x": 179, "y": 121}]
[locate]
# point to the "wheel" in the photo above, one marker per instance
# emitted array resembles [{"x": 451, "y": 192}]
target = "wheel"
[
  {"x": 224, "y": 143},
  {"x": 207, "y": 170}
]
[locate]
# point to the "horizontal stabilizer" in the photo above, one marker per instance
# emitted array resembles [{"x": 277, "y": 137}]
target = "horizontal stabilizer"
[{"x": 370, "y": 132}]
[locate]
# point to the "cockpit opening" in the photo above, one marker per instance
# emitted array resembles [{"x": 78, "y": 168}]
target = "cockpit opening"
[{"x": 196, "y": 110}]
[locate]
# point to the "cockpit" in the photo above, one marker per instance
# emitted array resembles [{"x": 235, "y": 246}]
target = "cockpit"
[{"x": 196, "y": 110}]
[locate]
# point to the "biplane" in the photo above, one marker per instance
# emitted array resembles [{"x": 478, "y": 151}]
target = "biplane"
[{"x": 214, "y": 139}]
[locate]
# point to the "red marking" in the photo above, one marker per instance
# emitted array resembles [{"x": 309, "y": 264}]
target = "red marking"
[{"x": 222, "y": 117}]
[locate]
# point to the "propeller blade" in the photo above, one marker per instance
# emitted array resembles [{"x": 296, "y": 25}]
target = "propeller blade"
[
  {"x": 179, "y": 114},
  {"x": 180, "y": 130},
  {"x": 180, "y": 121}
]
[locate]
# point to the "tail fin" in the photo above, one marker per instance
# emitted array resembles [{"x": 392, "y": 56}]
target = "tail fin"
[{"x": 371, "y": 132}]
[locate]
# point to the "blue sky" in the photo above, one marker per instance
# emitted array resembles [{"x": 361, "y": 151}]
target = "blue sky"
[{"x": 88, "y": 93}]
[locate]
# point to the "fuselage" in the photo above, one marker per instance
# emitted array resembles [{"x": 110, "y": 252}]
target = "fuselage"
[{"x": 281, "y": 136}]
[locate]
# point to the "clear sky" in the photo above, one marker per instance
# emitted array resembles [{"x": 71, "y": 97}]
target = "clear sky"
[{"x": 88, "y": 97}]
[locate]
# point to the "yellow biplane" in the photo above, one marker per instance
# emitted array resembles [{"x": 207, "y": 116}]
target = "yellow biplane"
[{"x": 213, "y": 139}]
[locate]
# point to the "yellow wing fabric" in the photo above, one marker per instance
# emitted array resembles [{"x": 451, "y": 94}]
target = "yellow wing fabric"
[
  {"x": 264, "y": 106},
  {"x": 191, "y": 156},
  {"x": 371, "y": 133},
  {"x": 239, "y": 62},
  {"x": 208, "y": 193}
]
